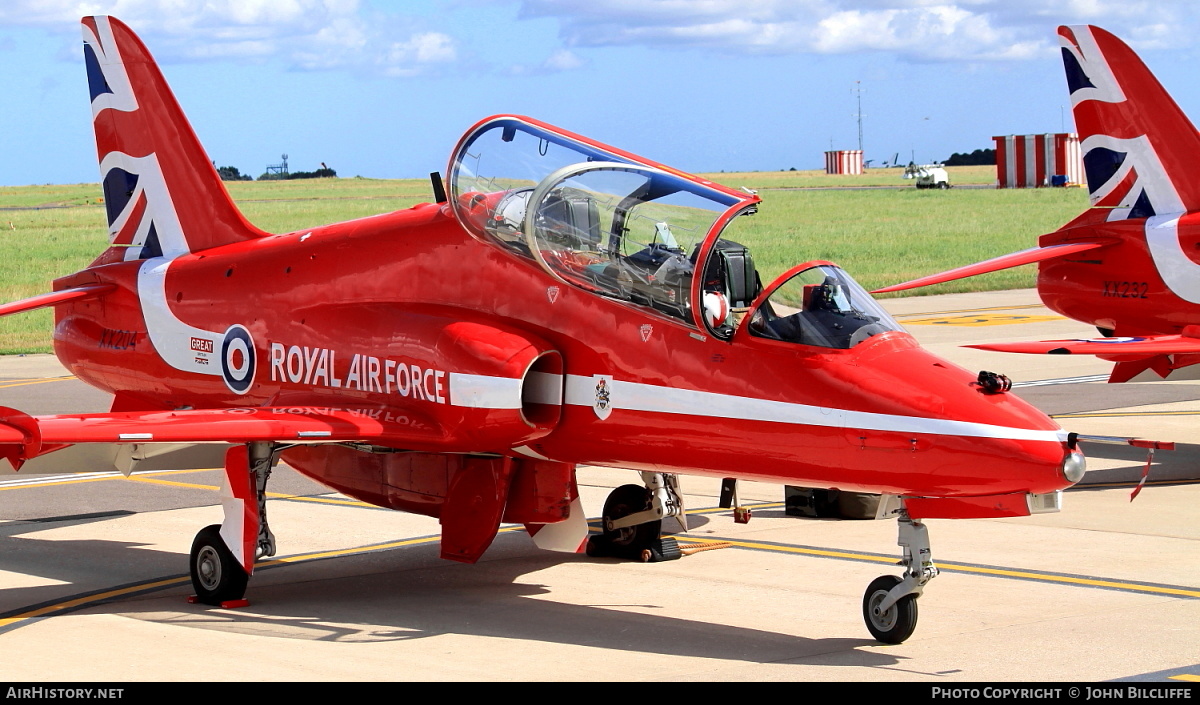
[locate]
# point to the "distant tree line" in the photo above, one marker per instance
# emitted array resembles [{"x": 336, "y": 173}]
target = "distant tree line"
[
  {"x": 232, "y": 173},
  {"x": 323, "y": 173},
  {"x": 979, "y": 157}
]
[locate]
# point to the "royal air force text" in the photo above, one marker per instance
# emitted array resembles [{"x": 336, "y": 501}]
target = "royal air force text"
[{"x": 318, "y": 367}]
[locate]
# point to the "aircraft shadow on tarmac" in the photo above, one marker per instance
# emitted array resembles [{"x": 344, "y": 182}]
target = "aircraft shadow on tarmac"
[
  {"x": 412, "y": 593},
  {"x": 105, "y": 565}
]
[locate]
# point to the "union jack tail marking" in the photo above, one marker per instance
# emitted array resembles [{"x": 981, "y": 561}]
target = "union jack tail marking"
[
  {"x": 1138, "y": 145},
  {"x": 162, "y": 194}
]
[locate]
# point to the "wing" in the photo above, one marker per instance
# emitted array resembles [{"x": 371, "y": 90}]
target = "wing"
[
  {"x": 1015, "y": 259},
  {"x": 1135, "y": 357},
  {"x": 54, "y": 298},
  {"x": 1107, "y": 348},
  {"x": 23, "y": 437}
]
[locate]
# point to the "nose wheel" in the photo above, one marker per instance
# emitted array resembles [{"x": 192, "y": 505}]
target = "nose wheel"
[
  {"x": 217, "y": 576},
  {"x": 894, "y": 624}
]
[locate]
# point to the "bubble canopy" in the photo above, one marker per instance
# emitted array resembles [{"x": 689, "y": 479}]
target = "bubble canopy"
[{"x": 593, "y": 216}]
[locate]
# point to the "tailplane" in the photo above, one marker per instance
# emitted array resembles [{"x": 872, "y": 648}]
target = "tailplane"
[{"x": 163, "y": 195}]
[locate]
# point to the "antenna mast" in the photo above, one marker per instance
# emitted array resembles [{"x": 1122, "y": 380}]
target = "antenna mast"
[{"x": 858, "y": 91}]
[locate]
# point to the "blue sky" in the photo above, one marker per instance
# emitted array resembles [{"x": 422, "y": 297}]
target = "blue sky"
[{"x": 384, "y": 90}]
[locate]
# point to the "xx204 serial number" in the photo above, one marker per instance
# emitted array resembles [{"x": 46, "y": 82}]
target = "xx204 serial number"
[{"x": 1126, "y": 290}]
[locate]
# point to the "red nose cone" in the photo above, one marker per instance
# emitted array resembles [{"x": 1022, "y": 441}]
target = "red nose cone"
[{"x": 966, "y": 433}]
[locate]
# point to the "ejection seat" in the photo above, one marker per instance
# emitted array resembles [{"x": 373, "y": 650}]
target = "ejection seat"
[{"x": 731, "y": 272}]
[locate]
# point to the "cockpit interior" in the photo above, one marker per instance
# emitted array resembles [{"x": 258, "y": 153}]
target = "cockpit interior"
[{"x": 620, "y": 227}]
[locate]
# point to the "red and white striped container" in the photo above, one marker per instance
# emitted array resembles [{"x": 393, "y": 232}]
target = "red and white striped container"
[
  {"x": 1031, "y": 161},
  {"x": 844, "y": 161}
]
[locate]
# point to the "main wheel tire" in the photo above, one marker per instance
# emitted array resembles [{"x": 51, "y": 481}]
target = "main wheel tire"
[
  {"x": 217, "y": 576},
  {"x": 895, "y": 624},
  {"x": 630, "y": 541}
]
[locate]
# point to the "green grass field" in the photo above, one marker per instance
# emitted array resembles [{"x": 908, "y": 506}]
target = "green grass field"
[
  {"x": 894, "y": 177},
  {"x": 880, "y": 235}
]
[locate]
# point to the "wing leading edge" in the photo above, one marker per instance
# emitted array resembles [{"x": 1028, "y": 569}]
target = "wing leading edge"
[
  {"x": 1014, "y": 259},
  {"x": 23, "y": 437},
  {"x": 1103, "y": 347},
  {"x": 1160, "y": 354}
]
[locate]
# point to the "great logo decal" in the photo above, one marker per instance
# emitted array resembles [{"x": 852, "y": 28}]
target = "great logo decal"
[
  {"x": 647, "y": 329},
  {"x": 552, "y": 293}
]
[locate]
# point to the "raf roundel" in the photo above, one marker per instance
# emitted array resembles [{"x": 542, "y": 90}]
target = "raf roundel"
[{"x": 237, "y": 359}]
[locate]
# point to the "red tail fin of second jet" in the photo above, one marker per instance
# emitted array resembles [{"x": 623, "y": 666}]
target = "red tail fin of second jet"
[{"x": 1140, "y": 149}]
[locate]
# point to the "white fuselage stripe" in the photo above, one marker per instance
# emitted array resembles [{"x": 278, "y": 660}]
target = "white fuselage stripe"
[
  {"x": 484, "y": 392},
  {"x": 1178, "y": 271},
  {"x": 172, "y": 338},
  {"x": 633, "y": 396}
]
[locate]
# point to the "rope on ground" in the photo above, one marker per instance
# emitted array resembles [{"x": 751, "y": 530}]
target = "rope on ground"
[{"x": 689, "y": 549}]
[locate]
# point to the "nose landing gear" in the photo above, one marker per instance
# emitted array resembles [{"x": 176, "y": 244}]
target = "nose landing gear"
[{"x": 890, "y": 602}]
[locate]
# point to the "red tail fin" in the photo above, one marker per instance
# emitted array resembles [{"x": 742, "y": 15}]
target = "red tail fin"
[
  {"x": 1140, "y": 149},
  {"x": 163, "y": 195}
]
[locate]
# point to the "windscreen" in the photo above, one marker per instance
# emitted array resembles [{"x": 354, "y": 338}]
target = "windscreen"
[{"x": 821, "y": 306}]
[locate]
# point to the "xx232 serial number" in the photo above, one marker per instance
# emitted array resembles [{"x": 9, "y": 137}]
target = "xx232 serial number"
[{"x": 1126, "y": 290}]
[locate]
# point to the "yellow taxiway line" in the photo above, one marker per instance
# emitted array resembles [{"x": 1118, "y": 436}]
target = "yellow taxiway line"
[
  {"x": 19, "y": 619},
  {"x": 33, "y": 380},
  {"x": 1120, "y": 414}
]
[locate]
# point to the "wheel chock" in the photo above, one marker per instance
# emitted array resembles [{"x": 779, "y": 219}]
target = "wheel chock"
[
  {"x": 226, "y": 605},
  {"x": 664, "y": 548}
]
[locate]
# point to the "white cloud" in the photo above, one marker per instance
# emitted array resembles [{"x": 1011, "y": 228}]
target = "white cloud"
[
  {"x": 558, "y": 61},
  {"x": 938, "y": 30},
  {"x": 352, "y": 34},
  {"x": 308, "y": 34},
  {"x": 420, "y": 50},
  {"x": 563, "y": 60},
  {"x": 431, "y": 47}
]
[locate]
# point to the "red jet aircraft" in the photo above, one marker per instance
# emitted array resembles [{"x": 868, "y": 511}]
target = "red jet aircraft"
[
  {"x": 1129, "y": 265},
  {"x": 565, "y": 304}
]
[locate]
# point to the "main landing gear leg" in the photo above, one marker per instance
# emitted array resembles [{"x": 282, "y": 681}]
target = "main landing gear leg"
[
  {"x": 890, "y": 603},
  {"x": 223, "y": 555},
  {"x": 633, "y": 517}
]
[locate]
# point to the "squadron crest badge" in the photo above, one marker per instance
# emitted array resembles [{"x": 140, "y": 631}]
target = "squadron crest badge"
[{"x": 603, "y": 402}]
